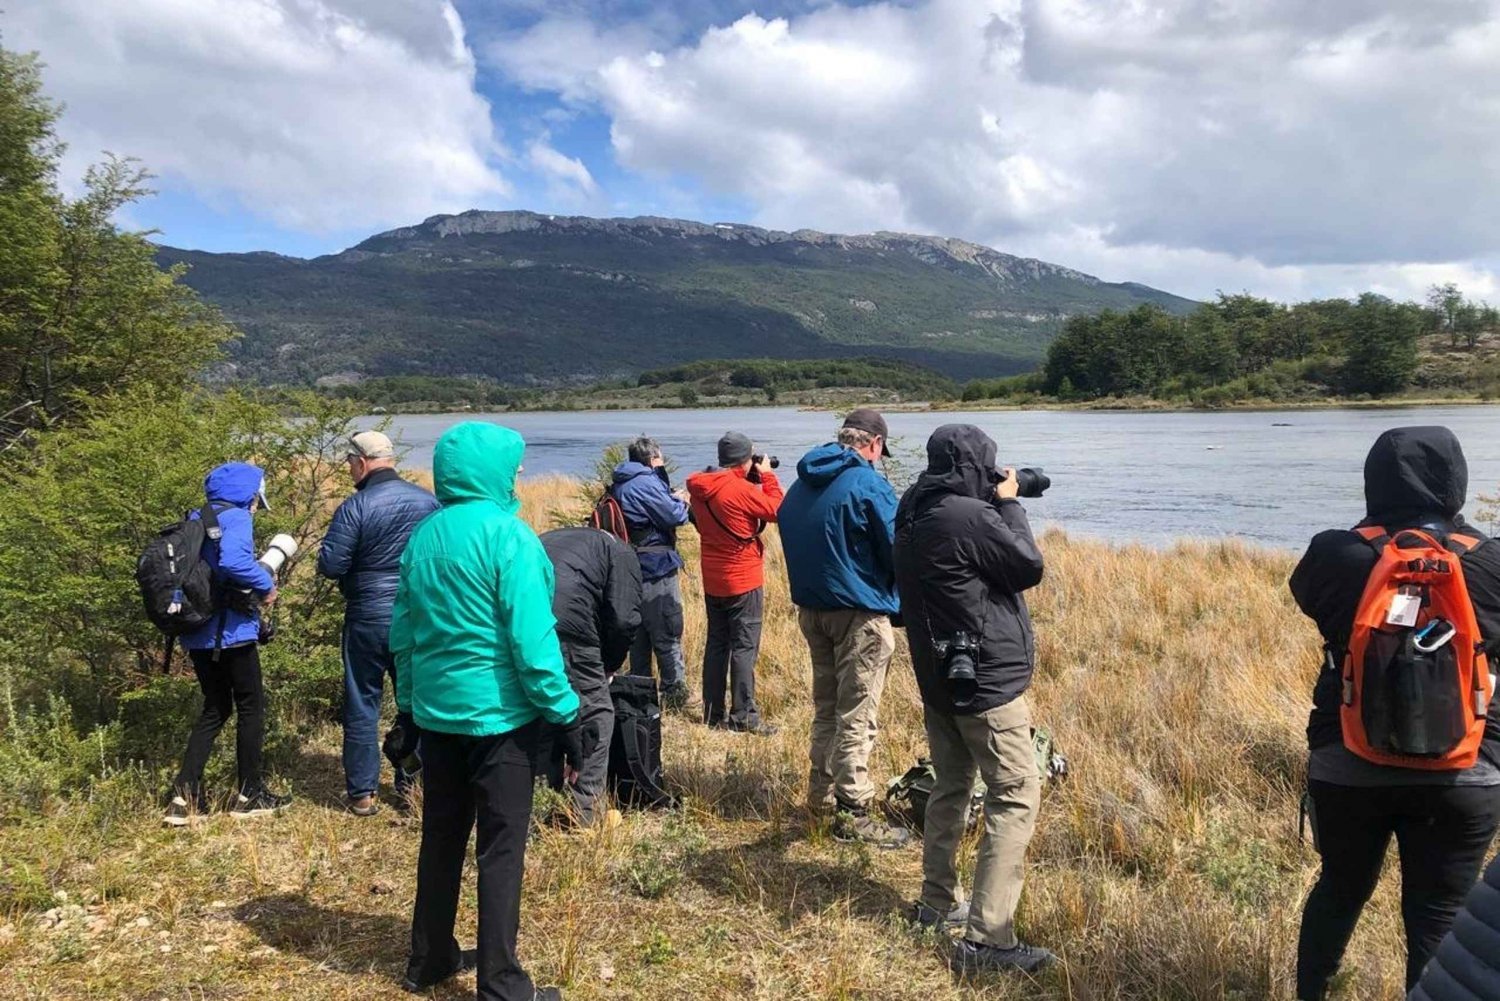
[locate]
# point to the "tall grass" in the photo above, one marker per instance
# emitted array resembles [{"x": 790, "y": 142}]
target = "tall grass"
[{"x": 1165, "y": 866}]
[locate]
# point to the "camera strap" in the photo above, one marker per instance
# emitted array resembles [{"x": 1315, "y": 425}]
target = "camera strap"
[{"x": 741, "y": 539}]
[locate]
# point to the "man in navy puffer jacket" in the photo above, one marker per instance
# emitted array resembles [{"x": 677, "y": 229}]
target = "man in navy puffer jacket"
[
  {"x": 362, "y": 551},
  {"x": 653, "y": 514},
  {"x": 837, "y": 526}
]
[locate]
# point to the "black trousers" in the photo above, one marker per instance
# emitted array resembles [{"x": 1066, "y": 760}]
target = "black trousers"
[
  {"x": 487, "y": 779},
  {"x": 1442, "y": 835},
  {"x": 729, "y": 656},
  {"x": 232, "y": 684}
]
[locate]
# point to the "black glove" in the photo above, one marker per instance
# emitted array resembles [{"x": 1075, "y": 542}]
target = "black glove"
[
  {"x": 400, "y": 745},
  {"x": 570, "y": 739}
]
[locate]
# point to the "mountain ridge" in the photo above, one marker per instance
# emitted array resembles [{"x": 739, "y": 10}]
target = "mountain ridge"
[{"x": 532, "y": 298}]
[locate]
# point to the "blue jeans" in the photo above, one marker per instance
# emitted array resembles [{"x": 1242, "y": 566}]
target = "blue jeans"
[{"x": 367, "y": 663}]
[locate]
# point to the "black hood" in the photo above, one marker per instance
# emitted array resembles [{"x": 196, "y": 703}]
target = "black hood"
[
  {"x": 1413, "y": 472},
  {"x": 960, "y": 460}
]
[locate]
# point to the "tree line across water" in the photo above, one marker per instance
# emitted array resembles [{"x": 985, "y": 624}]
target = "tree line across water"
[{"x": 1241, "y": 347}]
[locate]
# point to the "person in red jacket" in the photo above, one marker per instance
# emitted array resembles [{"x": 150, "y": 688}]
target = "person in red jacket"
[{"x": 731, "y": 506}]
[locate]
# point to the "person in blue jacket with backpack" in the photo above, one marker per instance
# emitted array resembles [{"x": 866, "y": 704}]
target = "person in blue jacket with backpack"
[
  {"x": 653, "y": 513},
  {"x": 225, "y": 651}
]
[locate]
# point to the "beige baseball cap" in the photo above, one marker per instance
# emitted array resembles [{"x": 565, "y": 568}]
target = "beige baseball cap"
[{"x": 371, "y": 445}]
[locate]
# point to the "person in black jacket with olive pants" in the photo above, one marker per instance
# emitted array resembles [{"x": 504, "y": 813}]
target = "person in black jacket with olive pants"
[
  {"x": 1443, "y": 821},
  {"x": 964, "y": 554}
]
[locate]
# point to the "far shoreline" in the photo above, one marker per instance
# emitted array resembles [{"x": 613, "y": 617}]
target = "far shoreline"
[{"x": 1141, "y": 405}]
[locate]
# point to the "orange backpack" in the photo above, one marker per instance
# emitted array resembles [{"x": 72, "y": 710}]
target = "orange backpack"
[{"x": 1416, "y": 678}]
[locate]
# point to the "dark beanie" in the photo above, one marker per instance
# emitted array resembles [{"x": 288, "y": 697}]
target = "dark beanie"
[{"x": 734, "y": 448}]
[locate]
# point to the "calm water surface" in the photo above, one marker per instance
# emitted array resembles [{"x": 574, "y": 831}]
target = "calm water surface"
[{"x": 1126, "y": 476}]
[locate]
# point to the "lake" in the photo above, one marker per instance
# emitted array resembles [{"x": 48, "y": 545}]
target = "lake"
[{"x": 1150, "y": 477}]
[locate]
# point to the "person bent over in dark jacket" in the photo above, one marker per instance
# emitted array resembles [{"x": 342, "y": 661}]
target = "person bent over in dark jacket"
[
  {"x": 362, "y": 551},
  {"x": 598, "y": 610},
  {"x": 653, "y": 513},
  {"x": 964, "y": 555},
  {"x": 837, "y": 523},
  {"x": 1443, "y": 821}
]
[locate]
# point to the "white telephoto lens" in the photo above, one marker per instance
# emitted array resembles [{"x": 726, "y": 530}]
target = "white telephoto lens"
[{"x": 282, "y": 547}]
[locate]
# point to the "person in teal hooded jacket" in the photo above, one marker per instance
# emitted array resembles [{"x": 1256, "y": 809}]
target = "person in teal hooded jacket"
[
  {"x": 480, "y": 671},
  {"x": 837, "y": 529}
]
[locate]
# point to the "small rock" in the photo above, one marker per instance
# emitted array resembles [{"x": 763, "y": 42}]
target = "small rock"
[
  {"x": 142, "y": 922},
  {"x": 381, "y": 888},
  {"x": 217, "y": 905},
  {"x": 7, "y": 934},
  {"x": 606, "y": 971},
  {"x": 166, "y": 948},
  {"x": 210, "y": 948},
  {"x": 62, "y": 896}
]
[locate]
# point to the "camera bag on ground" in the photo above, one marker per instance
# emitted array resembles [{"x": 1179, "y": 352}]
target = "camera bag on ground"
[
  {"x": 906, "y": 795},
  {"x": 635, "y": 772},
  {"x": 176, "y": 582},
  {"x": 1415, "y": 681}
]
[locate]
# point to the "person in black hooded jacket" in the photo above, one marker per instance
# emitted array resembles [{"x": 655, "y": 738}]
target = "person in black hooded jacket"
[
  {"x": 964, "y": 554},
  {"x": 597, "y": 604},
  {"x": 1443, "y": 821}
]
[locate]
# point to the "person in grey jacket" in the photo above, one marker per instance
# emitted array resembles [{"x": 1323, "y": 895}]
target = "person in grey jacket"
[
  {"x": 362, "y": 551},
  {"x": 1466, "y": 966}
]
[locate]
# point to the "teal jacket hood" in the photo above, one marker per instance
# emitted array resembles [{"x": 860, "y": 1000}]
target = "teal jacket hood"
[{"x": 478, "y": 461}]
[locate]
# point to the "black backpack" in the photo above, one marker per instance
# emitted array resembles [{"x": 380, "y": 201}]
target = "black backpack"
[
  {"x": 176, "y": 582},
  {"x": 635, "y": 774}
]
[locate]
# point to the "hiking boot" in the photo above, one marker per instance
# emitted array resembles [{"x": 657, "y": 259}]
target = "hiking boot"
[
  {"x": 760, "y": 727},
  {"x": 181, "y": 813},
  {"x": 935, "y": 920},
  {"x": 364, "y": 806},
  {"x": 974, "y": 957},
  {"x": 468, "y": 960},
  {"x": 858, "y": 825},
  {"x": 260, "y": 804},
  {"x": 674, "y": 698}
]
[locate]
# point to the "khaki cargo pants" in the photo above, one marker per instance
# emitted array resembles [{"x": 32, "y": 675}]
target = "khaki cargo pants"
[
  {"x": 851, "y": 650},
  {"x": 997, "y": 744}
]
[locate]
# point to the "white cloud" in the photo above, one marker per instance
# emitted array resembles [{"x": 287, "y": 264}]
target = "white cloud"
[
  {"x": 567, "y": 175},
  {"x": 1286, "y": 147},
  {"x": 316, "y": 114}
]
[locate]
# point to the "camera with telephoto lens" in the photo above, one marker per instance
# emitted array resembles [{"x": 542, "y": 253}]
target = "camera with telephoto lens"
[
  {"x": 1030, "y": 482},
  {"x": 282, "y": 548},
  {"x": 957, "y": 655}
]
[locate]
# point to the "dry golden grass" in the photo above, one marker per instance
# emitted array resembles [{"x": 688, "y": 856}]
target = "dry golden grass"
[{"x": 1166, "y": 866}]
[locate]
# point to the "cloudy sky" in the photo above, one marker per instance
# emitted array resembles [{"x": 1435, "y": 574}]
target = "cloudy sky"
[{"x": 1285, "y": 147}]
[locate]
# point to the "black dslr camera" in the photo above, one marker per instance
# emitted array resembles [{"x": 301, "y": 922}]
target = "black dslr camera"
[
  {"x": 957, "y": 656},
  {"x": 755, "y": 460}
]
